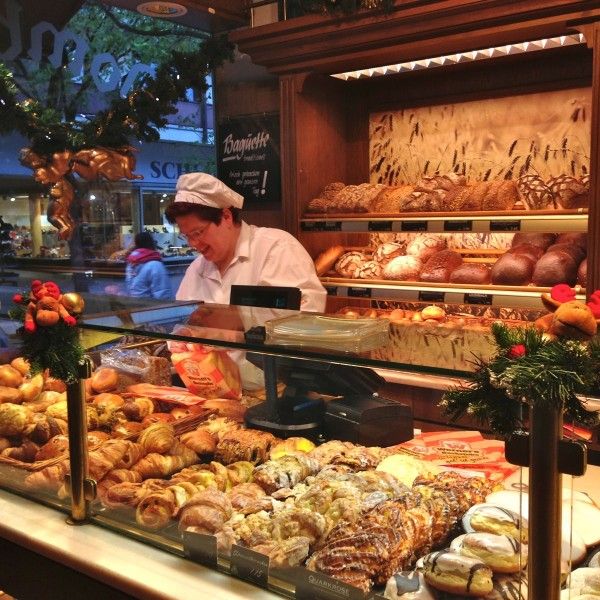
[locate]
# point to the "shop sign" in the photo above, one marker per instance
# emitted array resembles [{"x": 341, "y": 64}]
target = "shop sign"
[{"x": 248, "y": 157}]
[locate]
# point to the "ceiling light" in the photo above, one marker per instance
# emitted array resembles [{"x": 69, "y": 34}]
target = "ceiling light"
[
  {"x": 162, "y": 10},
  {"x": 461, "y": 57},
  {"x": 13, "y": 199}
]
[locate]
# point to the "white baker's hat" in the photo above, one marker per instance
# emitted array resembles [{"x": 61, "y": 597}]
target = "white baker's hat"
[{"x": 202, "y": 188}]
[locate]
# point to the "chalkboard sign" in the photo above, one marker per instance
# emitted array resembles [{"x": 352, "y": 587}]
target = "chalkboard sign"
[{"x": 248, "y": 158}]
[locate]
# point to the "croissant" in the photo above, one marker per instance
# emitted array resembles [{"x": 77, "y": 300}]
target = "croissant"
[
  {"x": 57, "y": 446},
  {"x": 133, "y": 453},
  {"x": 25, "y": 452},
  {"x": 240, "y": 471},
  {"x": 157, "y": 509},
  {"x": 159, "y": 465},
  {"x": 201, "y": 441},
  {"x": 158, "y": 437},
  {"x": 106, "y": 457},
  {"x": 179, "y": 449},
  {"x": 245, "y": 494},
  {"x": 50, "y": 478},
  {"x": 129, "y": 495},
  {"x": 207, "y": 511}
]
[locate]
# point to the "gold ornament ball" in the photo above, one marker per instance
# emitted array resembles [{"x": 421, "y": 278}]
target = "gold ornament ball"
[{"x": 73, "y": 302}]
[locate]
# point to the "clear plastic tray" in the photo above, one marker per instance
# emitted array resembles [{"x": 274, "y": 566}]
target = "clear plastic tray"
[{"x": 334, "y": 333}]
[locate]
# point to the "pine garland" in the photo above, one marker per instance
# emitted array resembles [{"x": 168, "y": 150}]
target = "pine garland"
[
  {"x": 528, "y": 369},
  {"x": 140, "y": 114}
]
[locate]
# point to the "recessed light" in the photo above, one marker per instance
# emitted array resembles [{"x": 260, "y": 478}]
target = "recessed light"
[
  {"x": 163, "y": 10},
  {"x": 13, "y": 199}
]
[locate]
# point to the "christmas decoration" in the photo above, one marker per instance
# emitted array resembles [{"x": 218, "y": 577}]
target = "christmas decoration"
[
  {"x": 50, "y": 340},
  {"x": 549, "y": 364},
  {"x": 100, "y": 147}
]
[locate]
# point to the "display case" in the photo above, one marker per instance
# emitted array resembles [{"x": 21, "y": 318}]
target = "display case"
[{"x": 251, "y": 504}]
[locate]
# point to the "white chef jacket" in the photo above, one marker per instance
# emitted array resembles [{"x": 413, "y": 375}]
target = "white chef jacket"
[{"x": 263, "y": 256}]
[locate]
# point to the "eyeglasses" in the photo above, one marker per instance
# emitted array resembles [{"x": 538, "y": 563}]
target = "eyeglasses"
[{"x": 196, "y": 234}]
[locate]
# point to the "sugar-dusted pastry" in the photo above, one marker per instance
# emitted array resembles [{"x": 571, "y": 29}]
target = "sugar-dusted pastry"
[
  {"x": 291, "y": 552},
  {"x": 457, "y": 574},
  {"x": 245, "y": 494}
]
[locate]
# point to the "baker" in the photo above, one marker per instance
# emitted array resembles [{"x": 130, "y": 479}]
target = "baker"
[{"x": 208, "y": 214}]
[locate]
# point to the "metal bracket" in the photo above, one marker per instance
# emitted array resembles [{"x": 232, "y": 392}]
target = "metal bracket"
[
  {"x": 572, "y": 454},
  {"x": 90, "y": 487}
]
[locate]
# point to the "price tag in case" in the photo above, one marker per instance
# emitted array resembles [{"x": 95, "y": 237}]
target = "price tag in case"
[
  {"x": 249, "y": 565},
  {"x": 413, "y": 226},
  {"x": 380, "y": 225},
  {"x": 359, "y": 292},
  {"x": 311, "y": 585},
  {"x": 485, "y": 299},
  {"x": 200, "y": 548},
  {"x": 458, "y": 225},
  {"x": 425, "y": 296},
  {"x": 505, "y": 225}
]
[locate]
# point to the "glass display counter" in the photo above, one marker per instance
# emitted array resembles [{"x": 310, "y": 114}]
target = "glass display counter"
[{"x": 171, "y": 469}]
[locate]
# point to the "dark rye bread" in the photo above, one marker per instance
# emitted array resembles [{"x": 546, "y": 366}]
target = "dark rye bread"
[
  {"x": 438, "y": 268},
  {"x": 533, "y": 252},
  {"x": 582, "y": 273},
  {"x": 543, "y": 240},
  {"x": 572, "y": 237},
  {"x": 577, "y": 252},
  {"x": 554, "y": 268},
  {"x": 512, "y": 269},
  {"x": 473, "y": 273}
]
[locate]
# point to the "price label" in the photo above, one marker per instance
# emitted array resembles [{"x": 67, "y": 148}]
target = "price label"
[
  {"x": 425, "y": 296},
  {"x": 479, "y": 299},
  {"x": 249, "y": 565},
  {"x": 310, "y": 226},
  {"x": 380, "y": 225},
  {"x": 458, "y": 225},
  {"x": 332, "y": 226},
  {"x": 413, "y": 226},
  {"x": 200, "y": 548},
  {"x": 331, "y": 290},
  {"x": 311, "y": 585},
  {"x": 505, "y": 225},
  {"x": 359, "y": 292}
]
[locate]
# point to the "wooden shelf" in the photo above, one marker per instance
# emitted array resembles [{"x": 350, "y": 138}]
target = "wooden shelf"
[
  {"x": 477, "y": 222},
  {"x": 419, "y": 291}
]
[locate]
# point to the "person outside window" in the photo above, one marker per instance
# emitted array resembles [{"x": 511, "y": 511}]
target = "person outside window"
[{"x": 145, "y": 273}]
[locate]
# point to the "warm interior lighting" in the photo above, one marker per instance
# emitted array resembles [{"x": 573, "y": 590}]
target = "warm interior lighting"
[
  {"x": 462, "y": 57},
  {"x": 163, "y": 10}
]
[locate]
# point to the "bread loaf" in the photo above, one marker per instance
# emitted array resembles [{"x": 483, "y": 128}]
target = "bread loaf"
[
  {"x": 512, "y": 269},
  {"x": 533, "y": 252},
  {"x": 349, "y": 263},
  {"x": 385, "y": 252},
  {"x": 403, "y": 268},
  {"x": 577, "y": 252},
  {"x": 573, "y": 237},
  {"x": 473, "y": 273},
  {"x": 501, "y": 195},
  {"x": 325, "y": 261},
  {"x": 554, "y": 268},
  {"x": 438, "y": 267},
  {"x": 534, "y": 192},
  {"x": 542, "y": 240},
  {"x": 569, "y": 192},
  {"x": 425, "y": 246}
]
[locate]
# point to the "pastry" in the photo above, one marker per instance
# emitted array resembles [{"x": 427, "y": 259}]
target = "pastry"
[
  {"x": 509, "y": 587},
  {"x": 249, "y": 445},
  {"x": 349, "y": 263},
  {"x": 14, "y": 419},
  {"x": 104, "y": 379},
  {"x": 155, "y": 465},
  {"x": 138, "y": 408},
  {"x": 502, "y": 553},
  {"x": 439, "y": 266},
  {"x": 403, "y": 268},
  {"x": 133, "y": 453},
  {"x": 200, "y": 441},
  {"x": 10, "y": 394},
  {"x": 26, "y": 452},
  {"x": 57, "y": 446},
  {"x": 285, "y": 472},
  {"x": 225, "y": 407},
  {"x": 157, "y": 437},
  {"x": 290, "y": 445},
  {"x": 473, "y": 273},
  {"x": 327, "y": 259},
  {"x": 31, "y": 388},
  {"x": 457, "y": 574},
  {"x": 21, "y": 364},
  {"x": 436, "y": 313},
  {"x": 490, "y": 518},
  {"x": 512, "y": 269}
]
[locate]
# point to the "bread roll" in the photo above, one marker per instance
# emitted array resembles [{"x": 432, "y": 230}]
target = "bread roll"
[
  {"x": 325, "y": 261},
  {"x": 425, "y": 246},
  {"x": 438, "y": 267},
  {"x": 542, "y": 240},
  {"x": 403, "y": 268},
  {"x": 554, "y": 268},
  {"x": 473, "y": 273},
  {"x": 512, "y": 269},
  {"x": 582, "y": 273}
]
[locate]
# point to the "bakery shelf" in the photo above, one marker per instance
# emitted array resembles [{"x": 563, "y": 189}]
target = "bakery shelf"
[
  {"x": 478, "y": 222},
  {"x": 411, "y": 291}
]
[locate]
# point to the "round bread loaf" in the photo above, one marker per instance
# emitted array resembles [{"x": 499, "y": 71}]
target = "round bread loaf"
[
  {"x": 370, "y": 269},
  {"x": 325, "y": 261},
  {"x": 577, "y": 252},
  {"x": 457, "y": 574},
  {"x": 554, "y": 268},
  {"x": 438, "y": 267},
  {"x": 385, "y": 252},
  {"x": 502, "y": 553},
  {"x": 582, "y": 273},
  {"x": 512, "y": 269},
  {"x": 425, "y": 246},
  {"x": 403, "y": 268},
  {"x": 474, "y": 273},
  {"x": 349, "y": 262},
  {"x": 543, "y": 240},
  {"x": 534, "y": 252},
  {"x": 573, "y": 237}
]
